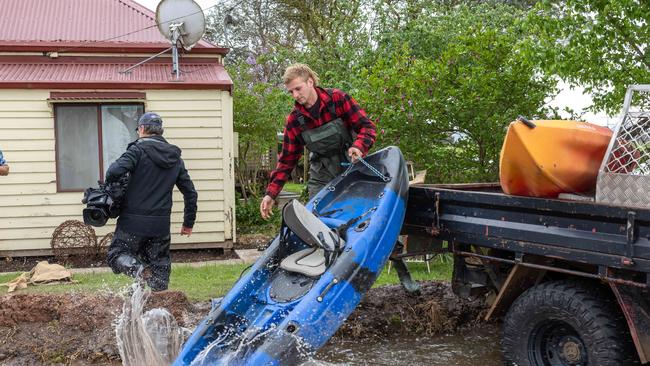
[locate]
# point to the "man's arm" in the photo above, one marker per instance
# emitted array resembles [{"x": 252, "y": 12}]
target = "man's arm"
[
  {"x": 125, "y": 163},
  {"x": 359, "y": 122},
  {"x": 185, "y": 185}
]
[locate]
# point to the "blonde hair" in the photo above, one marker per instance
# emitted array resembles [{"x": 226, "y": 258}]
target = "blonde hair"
[{"x": 299, "y": 70}]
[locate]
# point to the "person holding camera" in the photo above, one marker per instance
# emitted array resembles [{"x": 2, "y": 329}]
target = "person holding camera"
[
  {"x": 140, "y": 246},
  {"x": 4, "y": 168}
]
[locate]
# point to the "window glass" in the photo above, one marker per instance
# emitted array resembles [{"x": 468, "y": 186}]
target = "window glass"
[
  {"x": 77, "y": 150},
  {"x": 118, "y": 130},
  {"x": 89, "y": 138}
]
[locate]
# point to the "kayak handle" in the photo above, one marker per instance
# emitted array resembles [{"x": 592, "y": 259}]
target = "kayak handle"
[
  {"x": 327, "y": 289},
  {"x": 525, "y": 121}
]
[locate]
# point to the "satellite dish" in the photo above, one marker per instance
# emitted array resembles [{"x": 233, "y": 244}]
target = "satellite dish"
[{"x": 181, "y": 20}]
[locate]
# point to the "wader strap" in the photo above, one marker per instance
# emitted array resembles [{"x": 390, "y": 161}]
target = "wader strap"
[{"x": 302, "y": 123}]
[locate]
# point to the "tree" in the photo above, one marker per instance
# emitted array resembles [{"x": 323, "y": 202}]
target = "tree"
[
  {"x": 259, "y": 109},
  {"x": 259, "y": 39},
  {"x": 599, "y": 45},
  {"x": 442, "y": 81},
  {"x": 447, "y": 94},
  {"x": 447, "y": 83},
  {"x": 335, "y": 35},
  {"x": 254, "y": 28}
]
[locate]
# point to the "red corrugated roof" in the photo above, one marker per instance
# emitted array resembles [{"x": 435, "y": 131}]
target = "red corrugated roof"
[
  {"x": 70, "y": 75},
  {"x": 27, "y": 24},
  {"x": 87, "y": 26}
]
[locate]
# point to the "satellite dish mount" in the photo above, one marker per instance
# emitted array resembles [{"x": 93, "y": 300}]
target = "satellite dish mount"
[
  {"x": 175, "y": 30},
  {"x": 178, "y": 21}
]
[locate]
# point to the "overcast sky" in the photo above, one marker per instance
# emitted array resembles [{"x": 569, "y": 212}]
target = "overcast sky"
[
  {"x": 151, "y": 4},
  {"x": 575, "y": 99}
]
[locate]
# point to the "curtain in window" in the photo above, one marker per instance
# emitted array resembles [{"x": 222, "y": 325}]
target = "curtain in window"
[
  {"x": 81, "y": 131},
  {"x": 118, "y": 130},
  {"x": 77, "y": 147}
]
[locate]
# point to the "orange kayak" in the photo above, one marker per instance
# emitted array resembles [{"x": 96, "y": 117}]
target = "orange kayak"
[{"x": 553, "y": 157}]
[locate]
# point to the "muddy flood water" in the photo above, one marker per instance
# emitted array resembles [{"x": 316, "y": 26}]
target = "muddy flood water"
[
  {"x": 389, "y": 327},
  {"x": 468, "y": 347}
]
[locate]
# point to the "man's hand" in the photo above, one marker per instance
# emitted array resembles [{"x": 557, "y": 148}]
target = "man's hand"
[
  {"x": 266, "y": 207},
  {"x": 186, "y": 231},
  {"x": 354, "y": 154},
  {"x": 4, "y": 170}
]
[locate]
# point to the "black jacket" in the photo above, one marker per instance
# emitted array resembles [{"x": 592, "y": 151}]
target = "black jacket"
[{"x": 155, "y": 166}]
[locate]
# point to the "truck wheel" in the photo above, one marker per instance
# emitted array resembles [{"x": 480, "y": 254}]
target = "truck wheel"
[{"x": 566, "y": 323}]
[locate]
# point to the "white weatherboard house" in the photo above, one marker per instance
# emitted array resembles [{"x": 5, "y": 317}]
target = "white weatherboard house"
[{"x": 67, "y": 111}]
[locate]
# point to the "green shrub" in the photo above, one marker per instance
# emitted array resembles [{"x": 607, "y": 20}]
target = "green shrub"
[{"x": 249, "y": 220}]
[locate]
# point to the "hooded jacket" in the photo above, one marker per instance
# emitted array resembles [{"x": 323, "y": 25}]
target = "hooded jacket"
[{"x": 155, "y": 166}]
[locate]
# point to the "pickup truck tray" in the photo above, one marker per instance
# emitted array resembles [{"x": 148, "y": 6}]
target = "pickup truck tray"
[{"x": 573, "y": 230}]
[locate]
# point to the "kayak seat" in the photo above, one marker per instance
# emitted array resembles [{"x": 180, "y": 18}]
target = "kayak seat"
[
  {"x": 309, "y": 228},
  {"x": 309, "y": 262}
]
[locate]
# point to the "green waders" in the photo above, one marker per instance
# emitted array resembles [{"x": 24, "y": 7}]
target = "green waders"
[{"x": 328, "y": 146}]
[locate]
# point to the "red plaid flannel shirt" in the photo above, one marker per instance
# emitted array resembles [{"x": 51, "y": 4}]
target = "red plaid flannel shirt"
[{"x": 346, "y": 108}]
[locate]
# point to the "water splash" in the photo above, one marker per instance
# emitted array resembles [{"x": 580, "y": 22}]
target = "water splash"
[
  {"x": 149, "y": 338},
  {"x": 233, "y": 347}
]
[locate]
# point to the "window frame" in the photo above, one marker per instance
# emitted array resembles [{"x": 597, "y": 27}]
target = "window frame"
[{"x": 100, "y": 137}]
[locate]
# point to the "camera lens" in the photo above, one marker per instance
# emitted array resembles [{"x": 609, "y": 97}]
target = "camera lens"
[{"x": 94, "y": 216}]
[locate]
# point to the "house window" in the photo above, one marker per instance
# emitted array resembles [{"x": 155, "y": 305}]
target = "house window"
[{"x": 89, "y": 137}]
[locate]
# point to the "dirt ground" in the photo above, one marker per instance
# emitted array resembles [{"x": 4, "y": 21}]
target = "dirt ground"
[
  {"x": 77, "y": 329},
  {"x": 390, "y": 310},
  {"x": 252, "y": 241}
]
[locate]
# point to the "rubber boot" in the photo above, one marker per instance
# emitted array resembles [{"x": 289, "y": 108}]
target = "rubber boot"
[
  {"x": 410, "y": 286},
  {"x": 128, "y": 265}
]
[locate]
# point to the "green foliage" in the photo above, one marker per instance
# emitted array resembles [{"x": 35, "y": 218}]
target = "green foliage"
[
  {"x": 249, "y": 220},
  {"x": 445, "y": 87},
  {"x": 441, "y": 79},
  {"x": 335, "y": 38},
  {"x": 259, "y": 110},
  {"x": 600, "y": 45}
]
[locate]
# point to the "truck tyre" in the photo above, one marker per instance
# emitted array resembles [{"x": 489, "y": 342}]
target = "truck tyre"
[{"x": 566, "y": 323}]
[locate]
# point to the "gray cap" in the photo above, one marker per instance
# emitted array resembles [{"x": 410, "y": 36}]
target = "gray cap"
[{"x": 151, "y": 119}]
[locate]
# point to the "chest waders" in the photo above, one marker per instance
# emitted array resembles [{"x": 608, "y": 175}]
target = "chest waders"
[{"x": 328, "y": 146}]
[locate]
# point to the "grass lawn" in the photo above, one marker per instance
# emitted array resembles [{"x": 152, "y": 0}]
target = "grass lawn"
[
  {"x": 204, "y": 283},
  {"x": 294, "y": 187}
]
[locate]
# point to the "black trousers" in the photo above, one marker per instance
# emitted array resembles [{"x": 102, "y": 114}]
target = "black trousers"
[{"x": 151, "y": 252}]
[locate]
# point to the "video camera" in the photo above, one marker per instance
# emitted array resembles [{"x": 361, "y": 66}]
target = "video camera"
[{"x": 104, "y": 202}]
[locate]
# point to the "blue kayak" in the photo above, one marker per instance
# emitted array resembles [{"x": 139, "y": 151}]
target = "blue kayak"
[{"x": 314, "y": 273}]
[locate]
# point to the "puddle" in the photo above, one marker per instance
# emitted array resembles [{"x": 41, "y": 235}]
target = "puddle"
[{"x": 468, "y": 347}]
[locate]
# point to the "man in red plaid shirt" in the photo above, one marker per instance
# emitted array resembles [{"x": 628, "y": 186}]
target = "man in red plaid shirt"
[{"x": 329, "y": 123}]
